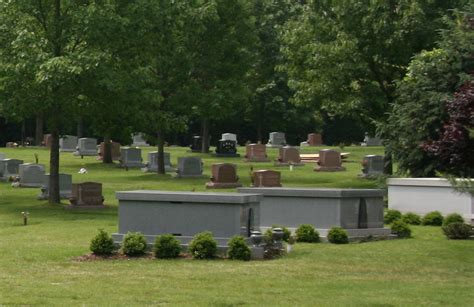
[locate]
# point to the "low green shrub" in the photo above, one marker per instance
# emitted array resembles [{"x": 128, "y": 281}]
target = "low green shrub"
[
  {"x": 338, "y": 235},
  {"x": 452, "y": 218},
  {"x": 433, "y": 218},
  {"x": 134, "y": 244},
  {"x": 411, "y": 218},
  {"x": 457, "y": 231},
  {"x": 166, "y": 246},
  {"x": 391, "y": 216},
  {"x": 238, "y": 249},
  {"x": 306, "y": 233},
  {"x": 102, "y": 244},
  {"x": 401, "y": 229},
  {"x": 203, "y": 246},
  {"x": 286, "y": 232}
]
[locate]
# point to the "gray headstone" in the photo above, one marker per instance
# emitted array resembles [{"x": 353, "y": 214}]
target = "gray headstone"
[
  {"x": 65, "y": 186},
  {"x": 9, "y": 167},
  {"x": 2, "y": 156},
  {"x": 229, "y": 137},
  {"x": 138, "y": 140},
  {"x": 152, "y": 164},
  {"x": 189, "y": 167},
  {"x": 276, "y": 139},
  {"x": 372, "y": 165},
  {"x": 68, "y": 143},
  {"x": 31, "y": 175},
  {"x": 86, "y": 147},
  {"x": 131, "y": 157}
]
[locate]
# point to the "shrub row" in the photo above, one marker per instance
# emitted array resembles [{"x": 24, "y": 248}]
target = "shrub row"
[
  {"x": 434, "y": 218},
  {"x": 203, "y": 246},
  {"x": 453, "y": 225}
]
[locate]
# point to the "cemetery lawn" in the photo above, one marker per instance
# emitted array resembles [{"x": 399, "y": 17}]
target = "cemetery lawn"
[{"x": 38, "y": 266}]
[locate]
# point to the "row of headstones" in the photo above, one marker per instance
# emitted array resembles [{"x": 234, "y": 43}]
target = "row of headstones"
[
  {"x": 31, "y": 175},
  {"x": 228, "y": 143},
  {"x": 87, "y": 146}
]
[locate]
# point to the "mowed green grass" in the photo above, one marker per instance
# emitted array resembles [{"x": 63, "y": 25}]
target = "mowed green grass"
[{"x": 37, "y": 265}]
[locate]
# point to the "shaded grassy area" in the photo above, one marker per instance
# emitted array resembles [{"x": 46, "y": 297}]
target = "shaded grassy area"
[{"x": 37, "y": 266}]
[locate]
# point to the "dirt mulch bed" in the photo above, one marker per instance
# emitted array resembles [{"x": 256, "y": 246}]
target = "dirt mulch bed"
[{"x": 118, "y": 256}]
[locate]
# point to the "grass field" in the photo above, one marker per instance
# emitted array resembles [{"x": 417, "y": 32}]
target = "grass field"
[{"x": 37, "y": 265}]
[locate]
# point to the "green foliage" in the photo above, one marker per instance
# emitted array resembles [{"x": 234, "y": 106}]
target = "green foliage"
[
  {"x": 430, "y": 81},
  {"x": 457, "y": 231},
  {"x": 271, "y": 250},
  {"x": 166, "y": 246},
  {"x": 401, "y": 229},
  {"x": 134, "y": 244},
  {"x": 102, "y": 244},
  {"x": 411, "y": 218},
  {"x": 434, "y": 218},
  {"x": 452, "y": 218},
  {"x": 392, "y": 216},
  {"x": 203, "y": 246},
  {"x": 338, "y": 235},
  {"x": 238, "y": 249},
  {"x": 286, "y": 232},
  {"x": 343, "y": 45},
  {"x": 306, "y": 233}
]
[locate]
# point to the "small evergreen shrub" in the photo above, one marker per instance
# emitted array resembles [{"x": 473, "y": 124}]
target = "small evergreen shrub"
[
  {"x": 452, "y": 218},
  {"x": 306, "y": 233},
  {"x": 286, "y": 232},
  {"x": 411, "y": 218},
  {"x": 433, "y": 218},
  {"x": 134, "y": 244},
  {"x": 102, "y": 244},
  {"x": 457, "y": 231},
  {"x": 401, "y": 229},
  {"x": 238, "y": 249},
  {"x": 166, "y": 246},
  {"x": 391, "y": 216},
  {"x": 203, "y": 246},
  {"x": 338, "y": 235}
]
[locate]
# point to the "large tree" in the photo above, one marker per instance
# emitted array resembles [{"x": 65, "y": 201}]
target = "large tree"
[
  {"x": 222, "y": 55},
  {"x": 344, "y": 56},
  {"x": 420, "y": 110},
  {"x": 43, "y": 49}
]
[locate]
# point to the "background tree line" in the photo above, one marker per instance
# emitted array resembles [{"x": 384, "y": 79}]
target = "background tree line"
[{"x": 176, "y": 68}]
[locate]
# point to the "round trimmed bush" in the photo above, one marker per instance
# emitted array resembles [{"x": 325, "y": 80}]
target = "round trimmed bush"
[
  {"x": 286, "y": 232},
  {"x": 338, "y": 235},
  {"x": 452, "y": 218},
  {"x": 102, "y": 244},
  {"x": 306, "y": 233},
  {"x": 203, "y": 246},
  {"x": 238, "y": 249},
  {"x": 166, "y": 246},
  {"x": 401, "y": 229},
  {"x": 411, "y": 218},
  {"x": 391, "y": 216},
  {"x": 434, "y": 218},
  {"x": 457, "y": 231},
  {"x": 134, "y": 244}
]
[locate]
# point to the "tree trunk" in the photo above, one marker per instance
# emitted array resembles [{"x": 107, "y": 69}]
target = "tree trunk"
[
  {"x": 205, "y": 136},
  {"x": 388, "y": 165},
  {"x": 260, "y": 119},
  {"x": 54, "y": 166},
  {"x": 107, "y": 154},
  {"x": 54, "y": 197},
  {"x": 80, "y": 128},
  {"x": 39, "y": 129},
  {"x": 23, "y": 131},
  {"x": 161, "y": 153}
]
